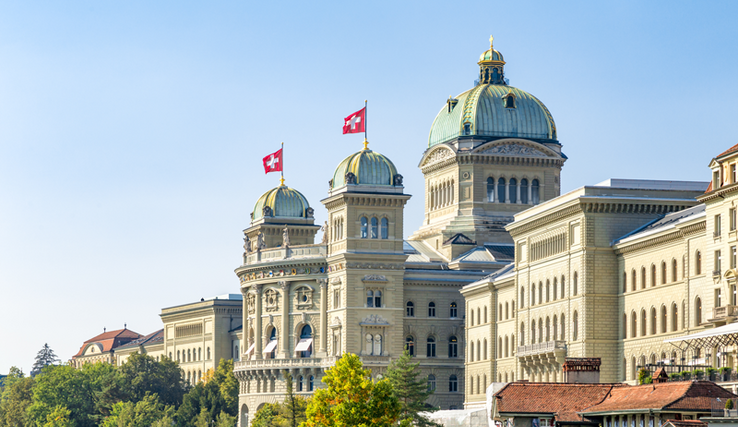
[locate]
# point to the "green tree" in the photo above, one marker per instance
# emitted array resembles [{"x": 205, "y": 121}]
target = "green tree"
[
  {"x": 44, "y": 357},
  {"x": 58, "y": 417},
  {"x": 411, "y": 391},
  {"x": 16, "y": 397},
  {"x": 292, "y": 411},
  {"x": 142, "y": 375},
  {"x": 266, "y": 416},
  {"x": 352, "y": 399},
  {"x": 63, "y": 385},
  {"x": 644, "y": 376},
  {"x": 143, "y": 413},
  {"x": 207, "y": 400}
]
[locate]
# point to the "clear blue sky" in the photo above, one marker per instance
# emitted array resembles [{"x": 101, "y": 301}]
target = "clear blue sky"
[{"x": 132, "y": 132}]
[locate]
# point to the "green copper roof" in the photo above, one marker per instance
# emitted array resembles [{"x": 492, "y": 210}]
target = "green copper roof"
[
  {"x": 283, "y": 201},
  {"x": 483, "y": 109},
  {"x": 369, "y": 168}
]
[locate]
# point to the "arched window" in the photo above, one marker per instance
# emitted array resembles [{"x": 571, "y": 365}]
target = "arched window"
[
  {"x": 653, "y": 320},
  {"x": 674, "y": 317},
  {"x": 643, "y": 322},
  {"x": 490, "y": 189},
  {"x": 485, "y": 314},
  {"x": 311, "y": 383},
  {"x": 625, "y": 326},
  {"x": 575, "y": 327},
  {"x": 575, "y": 284},
  {"x": 548, "y": 290},
  {"x": 663, "y": 272},
  {"x": 540, "y": 293},
  {"x": 555, "y": 328},
  {"x": 370, "y": 298},
  {"x": 499, "y": 347},
  {"x": 485, "y": 349},
  {"x": 471, "y": 351},
  {"x": 208, "y": 353},
  {"x": 453, "y": 347},
  {"x": 563, "y": 328},
  {"x": 697, "y": 311},
  {"x": 633, "y": 325},
  {"x": 453, "y": 311},
  {"x": 479, "y": 350},
  {"x": 535, "y": 198},
  {"x": 431, "y": 309},
  {"x": 501, "y": 190},
  {"x": 300, "y": 383},
  {"x": 509, "y": 99},
  {"x": 540, "y": 330},
  {"x": 178, "y": 359},
  {"x": 533, "y": 294},
  {"x": 653, "y": 275},
  {"x": 673, "y": 270},
  {"x": 643, "y": 277},
  {"x": 507, "y": 347},
  {"x": 625, "y": 282},
  {"x": 522, "y": 333},
  {"x": 633, "y": 280},
  {"x": 199, "y": 352},
  {"x": 385, "y": 228},
  {"x": 499, "y": 312},
  {"x": 364, "y": 227},
  {"x": 507, "y": 310},
  {"x": 306, "y": 335},
  {"x": 524, "y": 191},
  {"x": 410, "y": 309},
  {"x": 378, "y": 298},
  {"x": 698, "y": 263},
  {"x": 563, "y": 287},
  {"x": 453, "y": 384},
  {"x": 430, "y": 349},
  {"x": 272, "y": 344},
  {"x": 513, "y": 190},
  {"x": 533, "y": 332},
  {"x": 431, "y": 382},
  {"x": 375, "y": 228},
  {"x": 548, "y": 329},
  {"x": 663, "y": 319},
  {"x": 410, "y": 345},
  {"x": 555, "y": 292}
]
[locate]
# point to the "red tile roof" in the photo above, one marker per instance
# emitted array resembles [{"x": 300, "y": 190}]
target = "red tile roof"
[
  {"x": 110, "y": 340},
  {"x": 563, "y": 400},
  {"x": 685, "y": 423},
  {"x": 728, "y": 151},
  {"x": 709, "y": 188},
  {"x": 681, "y": 395}
]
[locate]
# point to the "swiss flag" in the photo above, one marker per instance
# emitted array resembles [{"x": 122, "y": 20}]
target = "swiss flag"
[
  {"x": 355, "y": 123},
  {"x": 273, "y": 162}
]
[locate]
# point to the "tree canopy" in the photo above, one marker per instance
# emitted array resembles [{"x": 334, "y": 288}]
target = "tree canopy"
[
  {"x": 44, "y": 357},
  {"x": 411, "y": 391},
  {"x": 352, "y": 398}
]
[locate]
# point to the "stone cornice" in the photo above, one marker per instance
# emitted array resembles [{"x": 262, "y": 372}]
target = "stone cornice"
[
  {"x": 544, "y": 220},
  {"x": 720, "y": 193},
  {"x": 661, "y": 239}
]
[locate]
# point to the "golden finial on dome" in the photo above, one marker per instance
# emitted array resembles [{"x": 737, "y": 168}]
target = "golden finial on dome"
[
  {"x": 366, "y": 144},
  {"x": 491, "y": 39},
  {"x": 281, "y": 182}
]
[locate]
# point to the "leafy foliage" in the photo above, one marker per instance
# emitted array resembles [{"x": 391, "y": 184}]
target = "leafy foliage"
[
  {"x": 352, "y": 398},
  {"x": 644, "y": 376},
  {"x": 143, "y": 413},
  {"x": 207, "y": 400},
  {"x": 15, "y": 398},
  {"x": 410, "y": 391},
  {"x": 44, "y": 357},
  {"x": 142, "y": 375},
  {"x": 729, "y": 404},
  {"x": 290, "y": 413}
]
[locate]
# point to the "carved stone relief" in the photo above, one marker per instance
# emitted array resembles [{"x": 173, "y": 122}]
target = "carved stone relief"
[{"x": 514, "y": 150}]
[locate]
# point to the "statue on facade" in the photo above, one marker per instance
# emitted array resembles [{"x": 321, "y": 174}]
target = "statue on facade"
[
  {"x": 350, "y": 178},
  {"x": 285, "y": 237},
  {"x": 247, "y": 244},
  {"x": 260, "y": 241},
  {"x": 324, "y": 229}
]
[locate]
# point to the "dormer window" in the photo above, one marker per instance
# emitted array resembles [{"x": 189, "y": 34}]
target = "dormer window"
[
  {"x": 509, "y": 100},
  {"x": 467, "y": 128}
]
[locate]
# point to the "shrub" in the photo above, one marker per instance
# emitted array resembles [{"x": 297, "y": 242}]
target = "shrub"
[
  {"x": 644, "y": 376},
  {"x": 697, "y": 373},
  {"x": 686, "y": 374},
  {"x": 729, "y": 404},
  {"x": 711, "y": 371},
  {"x": 675, "y": 376},
  {"x": 725, "y": 370}
]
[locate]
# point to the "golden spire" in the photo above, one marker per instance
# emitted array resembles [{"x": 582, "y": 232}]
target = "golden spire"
[
  {"x": 366, "y": 144},
  {"x": 281, "y": 182},
  {"x": 491, "y": 39}
]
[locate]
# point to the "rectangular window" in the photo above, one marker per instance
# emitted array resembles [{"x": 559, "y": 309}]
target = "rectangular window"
[
  {"x": 717, "y": 225},
  {"x": 733, "y": 258},
  {"x": 732, "y": 219},
  {"x": 733, "y": 175},
  {"x": 718, "y": 298},
  {"x": 717, "y": 263}
]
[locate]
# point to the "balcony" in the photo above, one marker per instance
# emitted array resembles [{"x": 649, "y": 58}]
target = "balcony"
[
  {"x": 303, "y": 362},
  {"x": 541, "y": 348},
  {"x": 724, "y": 314}
]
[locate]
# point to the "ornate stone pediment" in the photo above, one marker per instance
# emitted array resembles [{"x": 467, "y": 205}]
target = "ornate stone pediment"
[
  {"x": 513, "y": 150},
  {"x": 374, "y": 319},
  {"x": 438, "y": 155}
]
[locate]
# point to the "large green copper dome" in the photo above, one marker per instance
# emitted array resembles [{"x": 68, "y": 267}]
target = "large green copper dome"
[
  {"x": 365, "y": 167},
  {"x": 493, "y": 109},
  {"x": 282, "y": 201}
]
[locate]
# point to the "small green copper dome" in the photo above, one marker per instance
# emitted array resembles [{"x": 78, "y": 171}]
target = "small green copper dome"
[
  {"x": 366, "y": 167},
  {"x": 486, "y": 111},
  {"x": 282, "y": 201}
]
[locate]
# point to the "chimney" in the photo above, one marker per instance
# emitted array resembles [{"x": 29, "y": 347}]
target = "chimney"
[{"x": 582, "y": 370}]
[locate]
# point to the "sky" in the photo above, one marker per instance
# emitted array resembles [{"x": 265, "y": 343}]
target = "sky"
[{"x": 132, "y": 133}]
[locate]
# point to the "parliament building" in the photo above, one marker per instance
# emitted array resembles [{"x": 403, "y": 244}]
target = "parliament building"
[{"x": 505, "y": 278}]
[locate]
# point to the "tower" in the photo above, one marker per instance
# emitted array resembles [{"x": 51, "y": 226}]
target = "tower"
[
  {"x": 492, "y": 152},
  {"x": 365, "y": 256}
]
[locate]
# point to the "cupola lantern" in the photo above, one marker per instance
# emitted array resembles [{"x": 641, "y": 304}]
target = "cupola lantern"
[{"x": 491, "y": 66}]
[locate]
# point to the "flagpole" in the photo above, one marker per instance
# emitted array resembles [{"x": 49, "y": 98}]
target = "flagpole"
[
  {"x": 281, "y": 180},
  {"x": 366, "y": 141}
]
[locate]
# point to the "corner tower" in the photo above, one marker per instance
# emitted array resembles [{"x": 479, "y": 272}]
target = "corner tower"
[
  {"x": 493, "y": 151},
  {"x": 365, "y": 257}
]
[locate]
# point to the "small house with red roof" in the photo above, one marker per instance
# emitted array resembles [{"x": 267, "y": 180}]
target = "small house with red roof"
[{"x": 101, "y": 348}]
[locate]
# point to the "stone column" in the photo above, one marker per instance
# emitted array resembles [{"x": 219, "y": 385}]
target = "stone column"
[
  {"x": 257, "y": 328},
  {"x": 530, "y": 192},
  {"x": 507, "y": 191},
  {"x": 285, "y": 337},
  {"x": 517, "y": 190},
  {"x": 245, "y": 322},
  {"x": 323, "y": 316},
  {"x": 494, "y": 191}
]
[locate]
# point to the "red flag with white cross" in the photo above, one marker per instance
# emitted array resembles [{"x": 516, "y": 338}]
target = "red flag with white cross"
[
  {"x": 273, "y": 162},
  {"x": 355, "y": 123}
]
